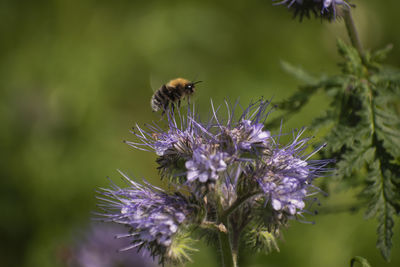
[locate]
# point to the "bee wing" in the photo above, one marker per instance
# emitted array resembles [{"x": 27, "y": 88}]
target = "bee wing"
[{"x": 155, "y": 83}]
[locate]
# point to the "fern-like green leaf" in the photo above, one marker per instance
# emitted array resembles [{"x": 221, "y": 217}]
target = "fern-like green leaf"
[
  {"x": 354, "y": 160},
  {"x": 363, "y": 130},
  {"x": 384, "y": 200},
  {"x": 387, "y": 121},
  {"x": 299, "y": 73},
  {"x": 353, "y": 63}
]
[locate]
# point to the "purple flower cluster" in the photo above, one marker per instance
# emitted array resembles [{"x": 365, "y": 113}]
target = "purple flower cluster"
[
  {"x": 206, "y": 149},
  {"x": 205, "y": 164},
  {"x": 287, "y": 175},
  {"x": 228, "y": 159},
  {"x": 153, "y": 215},
  {"x": 202, "y": 153},
  {"x": 251, "y": 135},
  {"x": 324, "y": 8},
  {"x": 172, "y": 141}
]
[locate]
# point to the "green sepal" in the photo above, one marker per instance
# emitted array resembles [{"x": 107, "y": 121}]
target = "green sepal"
[
  {"x": 181, "y": 248},
  {"x": 261, "y": 239}
]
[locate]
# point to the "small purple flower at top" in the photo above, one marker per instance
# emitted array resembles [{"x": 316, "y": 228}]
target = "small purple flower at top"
[
  {"x": 330, "y": 6},
  {"x": 206, "y": 164},
  {"x": 324, "y": 8}
]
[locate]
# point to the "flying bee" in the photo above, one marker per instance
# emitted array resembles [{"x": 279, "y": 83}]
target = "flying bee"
[{"x": 171, "y": 94}]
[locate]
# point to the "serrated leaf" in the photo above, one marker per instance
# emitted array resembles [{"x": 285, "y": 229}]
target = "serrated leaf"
[
  {"x": 385, "y": 230},
  {"x": 387, "y": 122},
  {"x": 387, "y": 74},
  {"x": 353, "y": 160},
  {"x": 381, "y": 54},
  {"x": 343, "y": 135},
  {"x": 299, "y": 73},
  {"x": 292, "y": 105},
  {"x": 383, "y": 195},
  {"x": 322, "y": 121},
  {"x": 353, "y": 63},
  {"x": 364, "y": 129}
]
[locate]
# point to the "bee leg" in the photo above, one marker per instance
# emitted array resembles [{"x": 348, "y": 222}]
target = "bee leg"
[
  {"x": 172, "y": 107},
  {"x": 179, "y": 103}
]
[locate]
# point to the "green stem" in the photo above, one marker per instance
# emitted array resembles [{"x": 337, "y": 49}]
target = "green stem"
[
  {"x": 352, "y": 31},
  {"x": 239, "y": 202},
  {"x": 235, "y": 245},
  {"x": 223, "y": 236},
  {"x": 230, "y": 252},
  {"x": 225, "y": 246}
]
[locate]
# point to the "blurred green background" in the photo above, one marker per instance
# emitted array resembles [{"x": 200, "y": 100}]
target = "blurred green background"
[{"x": 76, "y": 75}]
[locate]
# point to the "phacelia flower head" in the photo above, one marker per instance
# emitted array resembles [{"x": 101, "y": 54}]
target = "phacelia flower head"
[
  {"x": 204, "y": 152},
  {"x": 245, "y": 136},
  {"x": 177, "y": 139},
  {"x": 99, "y": 248},
  {"x": 153, "y": 216},
  {"x": 206, "y": 164},
  {"x": 286, "y": 176},
  {"x": 326, "y": 9},
  {"x": 173, "y": 145},
  {"x": 252, "y": 135}
]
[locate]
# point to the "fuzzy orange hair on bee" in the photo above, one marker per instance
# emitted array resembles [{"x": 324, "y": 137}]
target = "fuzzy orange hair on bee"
[{"x": 171, "y": 94}]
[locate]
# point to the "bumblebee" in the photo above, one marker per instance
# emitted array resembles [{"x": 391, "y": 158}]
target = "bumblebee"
[{"x": 171, "y": 94}]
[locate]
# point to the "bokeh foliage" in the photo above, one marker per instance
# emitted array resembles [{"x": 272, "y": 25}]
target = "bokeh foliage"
[{"x": 75, "y": 75}]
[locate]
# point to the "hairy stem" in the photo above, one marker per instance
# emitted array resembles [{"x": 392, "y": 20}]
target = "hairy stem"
[
  {"x": 230, "y": 250},
  {"x": 225, "y": 246},
  {"x": 235, "y": 246},
  {"x": 352, "y": 31},
  {"x": 239, "y": 202},
  {"x": 224, "y": 241}
]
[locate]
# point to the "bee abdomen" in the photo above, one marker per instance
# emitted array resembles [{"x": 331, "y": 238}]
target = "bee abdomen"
[
  {"x": 160, "y": 99},
  {"x": 155, "y": 105}
]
